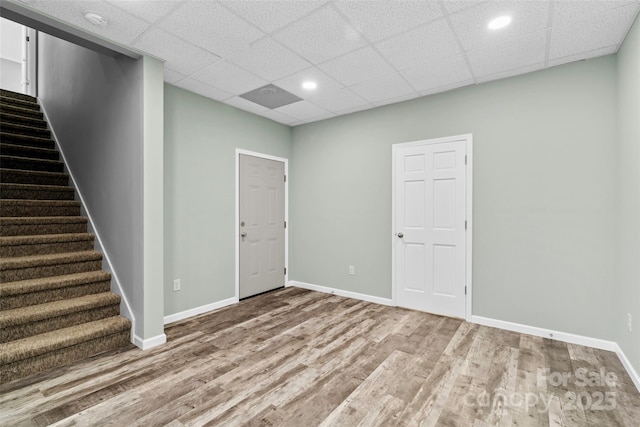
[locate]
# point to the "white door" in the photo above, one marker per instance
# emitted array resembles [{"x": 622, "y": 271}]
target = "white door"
[
  {"x": 429, "y": 264},
  {"x": 262, "y": 225}
]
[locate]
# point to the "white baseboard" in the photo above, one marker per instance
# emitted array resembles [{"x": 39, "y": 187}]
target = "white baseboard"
[
  {"x": 149, "y": 342},
  {"x": 199, "y": 310},
  {"x": 628, "y": 366},
  {"x": 546, "y": 333},
  {"x": 340, "y": 292}
]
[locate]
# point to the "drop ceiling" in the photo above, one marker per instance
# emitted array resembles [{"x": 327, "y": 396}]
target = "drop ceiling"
[{"x": 361, "y": 54}]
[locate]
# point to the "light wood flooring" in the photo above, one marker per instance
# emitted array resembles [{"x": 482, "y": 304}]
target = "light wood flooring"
[{"x": 299, "y": 358}]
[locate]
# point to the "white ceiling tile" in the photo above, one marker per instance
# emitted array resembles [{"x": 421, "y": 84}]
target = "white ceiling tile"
[
  {"x": 336, "y": 100},
  {"x": 278, "y": 117},
  {"x": 268, "y": 59},
  {"x": 294, "y": 82},
  {"x": 302, "y": 110},
  {"x": 594, "y": 32},
  {"x": 229, "y": 78},
  {"x": 356, "y": 67},
  {"x": 149, "y": 10},
  {"x": 446, "y": 88},
  {"x": 509, "y": 55},
  {"x": 121, "y": 27},
  {"x": 510, "y": 73},
  {"x": 203, "y": 89},
  {"x": 378, "y": 20},
  {"x": 315, "y": 119},
  {"x": 271, "y": 15},
  {"x": 353, "y": 110},
  {"x": 396, "y": 99},
  {"x": 179, "y": 55},
  {"x": 172, "y": 76},
  {"x": 320, "y": 36},
  {"x": 471, "y": 24},
  {"x": 385, "y": 87},
  {"x": 456, "y": 5},
  {"x": 442, "y": 72},
  {"x": 211, "y": 26},
  {"x": 567, "y": 12},
  {"x": 246, "y": 105},
  {"x": 584, "y": 55},
  {"x": 420, "y": 46}
]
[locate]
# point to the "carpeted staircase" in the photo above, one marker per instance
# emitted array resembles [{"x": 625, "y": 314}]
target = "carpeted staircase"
[{"x": 55, "y": 301}]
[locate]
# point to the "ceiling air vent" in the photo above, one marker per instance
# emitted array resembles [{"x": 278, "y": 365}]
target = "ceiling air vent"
[{"x": 271, "y": 96}]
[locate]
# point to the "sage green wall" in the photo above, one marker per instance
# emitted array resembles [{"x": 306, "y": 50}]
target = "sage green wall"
[
  {"x": 628, "y": 293},
  {"x": 200, "y": 139},
  {"x": 544, "y": 194}
]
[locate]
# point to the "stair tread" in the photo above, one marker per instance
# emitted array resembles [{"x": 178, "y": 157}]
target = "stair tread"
[
  {"x": 17, "y": 95},
  {"x": 48, "y": 310},
  {"x": 37, "y": 220},
  {"x": 32, "y": 159},
  {"x": 12, "y": 100},
  {"x": 32, "y": 172},
  {"x": 53, "y": 282},
  {"x": 48, "y": 259},
  {"x": 41, "y": 202},
  {"x": 45, "y": 238},
  {"x": 42, "y": 187},
  {"x": 8, "y": 117},
  {"x": 50, "y": 341},
  {"x": 16, "y": 108},
  {"x": 22, "y": 127},
  {"x": 5, "y": 135},
  {"x": 11, "y": 144}
]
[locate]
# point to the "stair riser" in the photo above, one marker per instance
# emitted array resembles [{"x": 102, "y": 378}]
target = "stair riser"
[
  {"x": 39, "y": 229},
  {"x": 22, "y": 368},
  {"x": 27, "y": 141},
  {"x": 24, "y": 130},
  {"x": 49, "y": 270},
  {"x": 15, "y": 176},
  {"x": 22, "y": 120},
  {"x": 37, "y": 194},
  {"x": 50, "y": 295},
  {"x": 24, "y": 112},
  {"x": 30, "y": 164},
  {"x": 45, "y": 248},
  {"x": 30, "y": 152},
  {"x": 13, "y": 210},
  {"x": 11, "y": 333}
]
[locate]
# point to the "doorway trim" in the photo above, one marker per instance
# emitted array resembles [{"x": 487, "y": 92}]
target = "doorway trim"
[
  {"x": 240, "y": 151},
  {"x": 468, "y": 138}
]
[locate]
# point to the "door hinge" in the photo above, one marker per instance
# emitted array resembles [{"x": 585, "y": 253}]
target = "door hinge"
[
  {"x": 465, "y": 159},
  {"x": 465, "y": 224},
  {"x": 465, "y": 290},
  {"x": 285, "y": 178},
  {"x": 285, "y": 271},
  {"x": 285, "y": 224}
]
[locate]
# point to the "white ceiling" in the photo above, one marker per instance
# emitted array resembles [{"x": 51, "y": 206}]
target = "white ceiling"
[{"x": 362, "y": 54}]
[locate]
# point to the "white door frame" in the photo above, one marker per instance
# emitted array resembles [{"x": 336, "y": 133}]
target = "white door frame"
[
  {"x": 468, "y": 139},
  {"x": 240, "y": 151}
]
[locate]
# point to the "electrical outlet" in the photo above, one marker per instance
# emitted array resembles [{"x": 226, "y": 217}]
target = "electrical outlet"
[
  {"x": 352, "y": 270},
  {"x": 177, "y": 285},
  {"x": 629, "y": 321}
]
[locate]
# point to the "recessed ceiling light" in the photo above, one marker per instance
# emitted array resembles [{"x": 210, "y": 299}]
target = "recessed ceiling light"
[
  {"x": 309, "y": 85},
  {"x": 499, "y": 22},
  {"x": 95, "y": 19}
]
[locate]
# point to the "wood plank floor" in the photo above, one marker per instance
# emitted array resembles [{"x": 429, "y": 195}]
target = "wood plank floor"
[{"x": 299, "y": 358}]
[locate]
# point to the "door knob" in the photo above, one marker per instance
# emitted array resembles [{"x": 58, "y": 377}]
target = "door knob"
[
  {"x": 243, "y": 234},
  {"x": 400, "y": 235}
]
